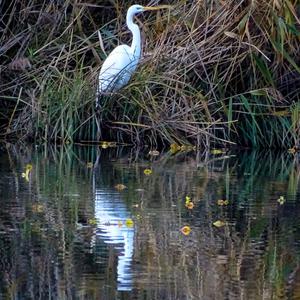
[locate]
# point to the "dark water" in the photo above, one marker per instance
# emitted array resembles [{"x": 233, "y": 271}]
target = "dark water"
[{"x": 67, "y": 231}]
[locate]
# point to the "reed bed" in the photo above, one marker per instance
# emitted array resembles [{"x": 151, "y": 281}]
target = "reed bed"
[{"x": 213, "y": 73}]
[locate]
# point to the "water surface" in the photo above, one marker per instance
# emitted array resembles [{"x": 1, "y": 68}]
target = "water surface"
[{"x": 88, "y": 223}]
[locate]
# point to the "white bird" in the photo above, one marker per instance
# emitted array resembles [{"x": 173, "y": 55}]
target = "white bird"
[{"x": 119, "y": 66}]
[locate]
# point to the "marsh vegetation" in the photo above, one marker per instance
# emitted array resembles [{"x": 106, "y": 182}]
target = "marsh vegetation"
[{"x": 213, "y": 73}]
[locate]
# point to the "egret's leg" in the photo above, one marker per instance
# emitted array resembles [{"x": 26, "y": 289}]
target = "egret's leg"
[
  {"x": 98, "y": 112},
  {"x": 97, "y": 97},
  {"x": 98, "y": 117}
]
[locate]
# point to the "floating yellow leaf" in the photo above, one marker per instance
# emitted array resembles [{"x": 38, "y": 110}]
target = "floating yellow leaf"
[
  {"x": 120, "y": 187},
  {"x": 29, "y": 167},
  {"x": 222, "y": 202},
  {"x": 219, "y": 223},
  {"x": 25, "y": 175},
  {"x": 281, "y": 200},
  {"x": 154, "y": 153},
  {"x": 187, "y": 199},
  {"x": 147, "y": 171},
  {"x": 92, "y": 221},
  {"x": 129, "y": 223},
  {"x": 186, "y": 230},
  {"x": 175, "y": 148},
  {"x": 187, "y": 148},
  {"x": 189, "y": 205},
  {"x": 37, "y": 208},
  {"x": 89, "y": 165},
  {"x": 188, "y": 202},
  {"x": 292, "y": 150},
  {"x": 217, "y": 151},
  {"x": 105, "y": 144}
]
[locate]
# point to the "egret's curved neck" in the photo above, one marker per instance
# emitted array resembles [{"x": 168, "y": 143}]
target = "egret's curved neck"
[{"x": 136, "y": 35}]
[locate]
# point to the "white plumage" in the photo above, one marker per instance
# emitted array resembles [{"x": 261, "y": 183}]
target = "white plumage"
[
  {"x": 117, "y": 69},
  {"x": 121, "y": 63}
]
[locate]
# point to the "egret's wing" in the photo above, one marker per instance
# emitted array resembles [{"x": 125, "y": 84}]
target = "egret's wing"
[{"x": 117, "y": 69}]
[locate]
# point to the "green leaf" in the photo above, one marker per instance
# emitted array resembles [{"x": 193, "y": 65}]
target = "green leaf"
[
  {"x": 260, "y": 92},
  {"x": 292, "y": 29},
  {"x": 264, "y": 70},
  {"x": 282, "y": 32},
  {"x": 252, "y": 114},
  {"x": 285, "y": 55},
  {"x": 242, "y": 24},
  {"x": 229, "y": 114}
]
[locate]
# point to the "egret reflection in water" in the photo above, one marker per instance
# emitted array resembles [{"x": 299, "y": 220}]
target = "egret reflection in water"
[{"x": 111, "y": 213}]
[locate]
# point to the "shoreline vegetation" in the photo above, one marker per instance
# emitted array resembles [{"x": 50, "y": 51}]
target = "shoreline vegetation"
[{"x": 213, "y": 73}]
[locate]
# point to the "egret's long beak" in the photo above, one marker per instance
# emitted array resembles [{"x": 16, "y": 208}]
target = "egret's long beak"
[{"x": 156, "y": 7}]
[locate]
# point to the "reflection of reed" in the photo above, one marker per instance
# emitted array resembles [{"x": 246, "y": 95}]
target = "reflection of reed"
[
  {"x": 254, "y": 256},
  {"x": 212, "y": 262}
]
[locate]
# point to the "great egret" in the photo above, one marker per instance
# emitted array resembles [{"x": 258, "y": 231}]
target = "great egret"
[{"x": 119, "y": 66}]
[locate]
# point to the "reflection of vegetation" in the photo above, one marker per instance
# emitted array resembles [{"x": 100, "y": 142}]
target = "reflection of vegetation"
[
  {"x": 248, "y": 255},
  {"x": 255, "y": 252}
]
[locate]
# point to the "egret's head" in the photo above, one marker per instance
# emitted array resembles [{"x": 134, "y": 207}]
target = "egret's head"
[{"x": 135, "y": 9}]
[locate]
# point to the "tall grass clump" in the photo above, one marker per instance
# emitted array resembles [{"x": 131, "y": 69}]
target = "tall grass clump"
[
  {"x": 46, "y": 86},
  {"x": 217, "y": 73}
]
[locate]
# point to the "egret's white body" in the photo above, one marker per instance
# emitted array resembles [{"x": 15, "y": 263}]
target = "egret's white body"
[
  {"x": 117, "y": 69},
  {"x": 121, "y": 63}
]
